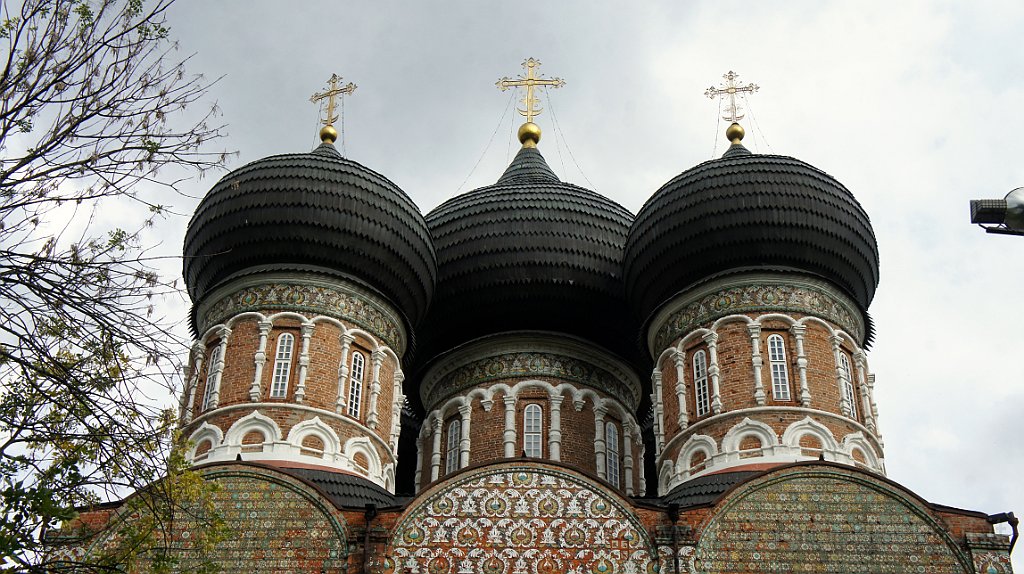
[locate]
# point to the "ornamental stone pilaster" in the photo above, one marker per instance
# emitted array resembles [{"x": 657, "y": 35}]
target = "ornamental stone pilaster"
[
  {"x": 198, "y": 356},
  {"x": 860, "y": 360},
  {"x": 627, "y": 458},
  {"x": 377, "y": 358},
  {"x": 657, "y": 400},
  {"x": 306, "y": 331},
  {"x": 841, "y": 377},
  {"x": 599, "y": 442},
  {"x": 465, "y": 411},
  {"x": 509, "y": 435},
  {"x": 798, "y": 332},
  {"x": 346, "y": 346},
  {"x": 256, "y": 391},
  {"x": 218, "y": 369},
  {"x": 755, "y": 359},
  {"x": 679, "y": 358},
  {"x": 419, "y": 460},
  {"x": 711, "y": 339},
  {"x": 435, "y": 451},
  {"x": 555, "y": 428}
]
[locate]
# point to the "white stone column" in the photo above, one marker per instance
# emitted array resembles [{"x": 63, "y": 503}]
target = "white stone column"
[
  {"x": 657, "y": 399},
  {"x": 256, "y": 391},
  {"x": 218, "y": 369},
  {"x": 377, "y": 357},
  {"x": 679, "y": 358},
  {"x": 643, "y": 478},
  {"x": 555, "y": 428},
  {"x": 798, "y": 332},
  {"x": 844, "y": 402},
  {"x": 346, "y": 345},
  {"x": 755, "y": 359},
  {"x": 860, "y": 360},
  {"x": 466, "y": 412},
  {"x": 396, "y": 410},
  {"x": 627, "y": 454},
  {"x": 189, "y": 396},
  {"x": 874, "y": 407},
  {"x": 509, "y": 435},
  {"x": 713, "y": 372},
  {"x": 419, "y": 459},
  {"x": 307, "y": 332},
  {"x": 435, "y": 453},
  {"x": 599, "y": 443}
]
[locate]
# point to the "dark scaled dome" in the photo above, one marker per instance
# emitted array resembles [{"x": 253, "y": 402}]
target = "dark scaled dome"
[
  {"x": 749, "y": 211},
  {"x": 313, "y": 212},
  {"x": 529, "y": 253}
]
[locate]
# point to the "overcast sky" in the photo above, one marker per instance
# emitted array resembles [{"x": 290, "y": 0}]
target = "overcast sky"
[{"x": 913, "y": 105}]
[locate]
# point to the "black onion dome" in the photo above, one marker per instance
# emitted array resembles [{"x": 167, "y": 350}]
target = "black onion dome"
[
  {"x": 314, "y": 212},
  {"x": 749, "y": 211},
  {"x": 529, "y": 253}
]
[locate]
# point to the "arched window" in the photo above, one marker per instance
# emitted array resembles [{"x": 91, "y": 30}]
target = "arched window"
[
  {"x": 611, "y": 450},
  {"x": 846, "y": 374},
  {"x": 355, "y": 384},
  {"x": 700, "y": 382},
  {"x": 532, "y": 429},
  {"x": 282, "y": 366},
  {"x": 451, "y": 453},
  {"x": 211, "y": 376},
  {"x": 780, "y": 373}
]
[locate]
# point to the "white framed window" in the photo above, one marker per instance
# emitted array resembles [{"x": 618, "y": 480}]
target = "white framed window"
[
  {"x": 451, "y": 453},
  {"x": 846, "y": 374},
  {"x": 533, "y": 428},
  {"x": 355, "y": 384},
  {"x": 611, "y": 452},
  {"x": 700, "y": 382},
  {"x": 282, "y": 366},
  {"x": 211, "y": 379},
  {"x": 777, "y": 363}
]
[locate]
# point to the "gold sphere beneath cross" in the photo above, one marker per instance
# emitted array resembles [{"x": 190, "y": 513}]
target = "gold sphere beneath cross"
[
  {"x": 735, "y": 133},
  {"x": 529, "y": 134},
  {"x": 328, "y": 134}
]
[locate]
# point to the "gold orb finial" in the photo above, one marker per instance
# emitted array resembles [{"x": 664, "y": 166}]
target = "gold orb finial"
[
  {"x": 328, "y": 134},
  {"x": 734, "y": 133},
  {"x": 529, "y": 134}
]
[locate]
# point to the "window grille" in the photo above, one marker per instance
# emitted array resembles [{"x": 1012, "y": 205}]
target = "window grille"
[
  {"x": 355, "y": 384},
  {"x": 532, "y": 429},
  {"x": 846, "y": 374},
  {"x": 451, "y": 456},
  {"x": 282, "y": 366},
  {"x": 777, "y": 362},
  {"x": 700, "y": 382},
  {"x": 211, "y": 381},
  {"x": 611, "y": 441}
]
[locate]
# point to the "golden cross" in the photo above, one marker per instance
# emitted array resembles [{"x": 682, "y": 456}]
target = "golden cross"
[
  {"x": 730, "y": 89},
  {"x": 334, "y": 90},
  {"x": 530, "y": 105}
]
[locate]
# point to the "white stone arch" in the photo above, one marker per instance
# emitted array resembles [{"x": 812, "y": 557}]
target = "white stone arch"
[
  {"x": 485, "y": 395},
  {"x": 357, "y": 332},
  {"x": 315, "y": 427},
  {"x": 809, "y": 426},
  {"x": 288, "y": 315},
  {"x": 776, "y": 316},
  {"x": 363, "y": 445},
  {"x": 243, "y": 316},
  {"x": 696, "y": 443},
  {"x": 250, "y": 422},
  {"x": 579, "y": 397},
  {"x": 858, "y": 441},
  {"x": 214, "y": 332},
  {"x": 531, "y": 384},
  {"x": 666, "y": 477},
  {"x": 694, "y": 334},
  {"x": 749, "y": 427},
  {"x": 389, "y": 478},
  {"x": 329, "y": 321},
  {"x": 735, "y": 318},
  {"x": 668, "y": 353},
  {"x": 206, "y": 431},
  {"x": 818, "y": 321}
]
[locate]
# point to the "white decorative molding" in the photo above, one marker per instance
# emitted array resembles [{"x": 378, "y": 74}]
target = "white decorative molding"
[
  {"x": 809, "y": 426},
  {"x": 316, "y": 428},
  {"x": 750, "y": 427},
  {"x": 205, "y": 431},
  {"x": 254, "y": 421}
]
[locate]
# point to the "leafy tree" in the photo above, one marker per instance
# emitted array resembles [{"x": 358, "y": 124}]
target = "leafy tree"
[{"x": 94, "y": 98}]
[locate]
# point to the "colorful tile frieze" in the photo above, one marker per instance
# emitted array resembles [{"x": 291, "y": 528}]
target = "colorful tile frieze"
[
  {"x": 521, "y": 520},
  {"x": 825, "y": 523}
]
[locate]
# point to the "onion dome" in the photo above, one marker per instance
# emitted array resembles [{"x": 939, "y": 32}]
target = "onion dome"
[
  {"x": 312, "y": 212},
  {"x": 529, "y": 253},
  {"x": 749, "y": 211}
]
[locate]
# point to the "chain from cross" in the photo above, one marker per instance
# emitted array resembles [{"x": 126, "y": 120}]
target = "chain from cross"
[
  {"x": 730, "y": 89},
  {"x": 531, "y": 106},
  {"x": 334, "y": 91}
]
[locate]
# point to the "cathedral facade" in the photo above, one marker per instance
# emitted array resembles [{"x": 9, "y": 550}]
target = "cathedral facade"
[{"x": 530, "y": 379}]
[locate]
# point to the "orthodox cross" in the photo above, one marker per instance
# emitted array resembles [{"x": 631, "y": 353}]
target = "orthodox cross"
[
  {"x": 330, "y": 94},
  {"x": 531, "y": 107},
  {"x": 730, "y": 89}
]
